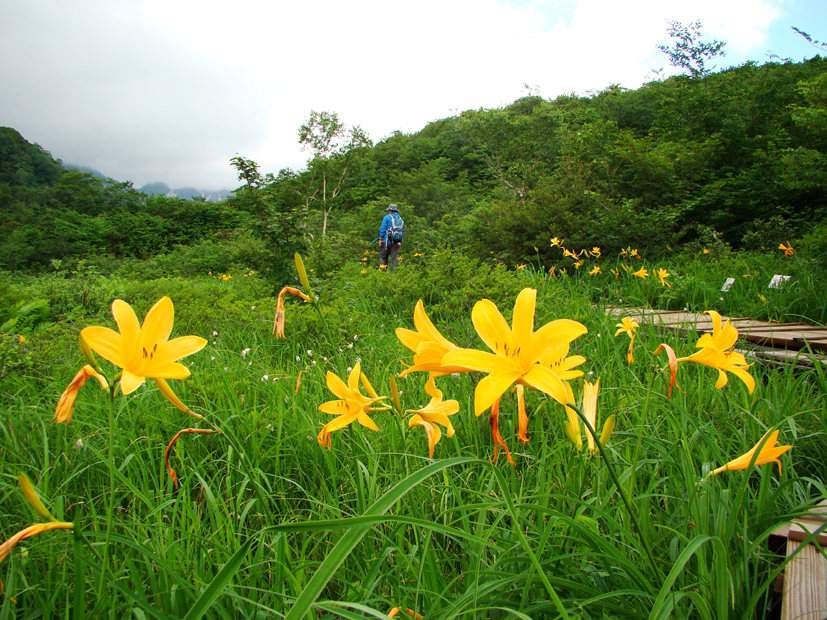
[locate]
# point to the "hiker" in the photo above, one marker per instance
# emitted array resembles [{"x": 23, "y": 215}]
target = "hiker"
[{"x": 390, "y": 237}]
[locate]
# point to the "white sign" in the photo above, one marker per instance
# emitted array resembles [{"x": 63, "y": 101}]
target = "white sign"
[
  {"x": 778, "y": 281},
  {"x": 727, "y": 285}
]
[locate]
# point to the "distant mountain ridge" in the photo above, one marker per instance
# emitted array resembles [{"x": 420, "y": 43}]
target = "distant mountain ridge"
[{"x": 186, "y": 193}]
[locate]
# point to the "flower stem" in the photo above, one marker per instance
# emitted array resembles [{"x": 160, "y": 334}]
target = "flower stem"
[
  {"x": 640, "y": 432},
  {"x": 110, "y": 510},
  {"x": 610, "y": 468}
]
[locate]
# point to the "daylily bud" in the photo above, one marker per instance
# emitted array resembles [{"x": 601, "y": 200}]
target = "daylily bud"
[
  {"x": 63, "y": 411},
  {"x": 608, "y": 429},
  {"x": 572, "y": 428},
  {"x": 303, "y": 276},
  {"x": 395, "y": 393},
  {"x": 171, "y": 397},
  {"x": 87, "y": 353},
  {"x": 32, "y": 497}
]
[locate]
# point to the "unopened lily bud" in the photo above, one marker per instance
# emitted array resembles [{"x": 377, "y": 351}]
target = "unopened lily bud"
[
  {"x": 608, "y": 429},
  {"x": 171, "y": 397},
  {"x": 395, "y": 393},
  {"x": 573, "y": 433},
  {"x": 32, "y": 497},
  {"x": 303, "y": 275},
  {"x": 87, "y": 353}
]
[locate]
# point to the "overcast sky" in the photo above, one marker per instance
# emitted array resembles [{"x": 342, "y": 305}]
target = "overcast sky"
[{"x": 170, "y": 90}]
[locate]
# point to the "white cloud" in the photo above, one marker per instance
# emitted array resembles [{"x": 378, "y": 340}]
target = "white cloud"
[{"x": 170, "y": 90}]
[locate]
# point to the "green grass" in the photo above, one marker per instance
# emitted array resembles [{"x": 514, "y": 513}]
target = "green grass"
[{"x": 267, "y": 524}]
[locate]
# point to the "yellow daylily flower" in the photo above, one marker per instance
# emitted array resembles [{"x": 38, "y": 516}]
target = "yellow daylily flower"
[
  {"x": 595, "y": 252},
  {"x": 30, "y": 531},
  {"x": 434, "y": 413},
  {"x": 641, "y": 273},
  {"x": 788, "y": 249},
  {"x": 353, "y": 406},
  {"x": 143, "y": 351},
  {"x": 517, "y": 351},
  {"x": 717, "y": 351},
  {"x": 629, "y": 326},
  {"x": 662, "y": 275},
  {"x": 428, "y": 345},
  {"x": 595, "y": 271},
  {"x": 63, "y": 412},
  {"x": 769, "y": 454},
  {"x": 706, "y": 251},
  {"x": 556, "y": 242},
  {"x": 557, "y": 358}
]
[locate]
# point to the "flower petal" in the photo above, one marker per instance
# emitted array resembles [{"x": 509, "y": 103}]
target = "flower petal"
[
  {"x": 409, "y": 338},
  {"x": 177, "y": 349},
  {"x": 338, "y": 387},
  {"x": 130, "y": 382},
  {"x": 353, "y": 378},
  {"x": 523, "y": 320},
  {"x": 158, "y": 323},
  {"x": 561, "y": 331},
  {"x": 491, "y": 388},
  {"x": 471, "y": 360},
  {"x": 171, "y": 370},
  {"x": 543, "y": 379},
  {"x": 365, "y": 420},
  {"x": 339, "y": 407},
  {"x": 130, "y": 330},
  {"x": 492, "y": 327},
  {"x": 106, "y": 343},
  {"x": 427, "y": 329}
]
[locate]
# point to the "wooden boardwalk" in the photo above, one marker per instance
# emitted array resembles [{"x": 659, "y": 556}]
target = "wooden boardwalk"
[
  {"x": 774, "y": 343},
  {"x": 803, "y": 585}
]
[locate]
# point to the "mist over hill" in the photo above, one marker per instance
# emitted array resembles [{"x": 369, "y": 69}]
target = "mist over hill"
[
  {"x": 185, "y": 192},
  {"x": 158, "y": 188}
]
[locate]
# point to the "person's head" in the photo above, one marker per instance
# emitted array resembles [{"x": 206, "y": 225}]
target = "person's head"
[{"x": 393, "y": 209}]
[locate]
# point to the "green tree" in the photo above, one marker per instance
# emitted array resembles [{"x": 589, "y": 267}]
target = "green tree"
[
  {"x": 334, "y": 148},
  {"x": 688, "y": 52},
  {"x": 280, "y": 221}
]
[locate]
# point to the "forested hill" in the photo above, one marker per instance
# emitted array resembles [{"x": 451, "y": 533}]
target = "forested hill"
[
  {"x": 738, "y": 156},
  {"x": 49, "y": 213}
]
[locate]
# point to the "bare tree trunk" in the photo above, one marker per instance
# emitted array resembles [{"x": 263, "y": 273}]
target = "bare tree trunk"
[{"x": 324, "y": 203}]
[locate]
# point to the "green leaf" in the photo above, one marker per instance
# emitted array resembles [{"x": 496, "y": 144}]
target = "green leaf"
[
  {"x": 219, "y": 582},
  {"x": 352, "y": 537}
]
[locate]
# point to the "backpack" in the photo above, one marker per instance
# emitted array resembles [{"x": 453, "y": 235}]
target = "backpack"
[{"x": 397, "y": 228}]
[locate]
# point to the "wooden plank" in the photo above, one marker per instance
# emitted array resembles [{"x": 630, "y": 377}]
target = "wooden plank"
[
  {"x": 783, "y": 357},
  {"x": 777, "y": 335},
  {"x": 805, "y": 584}
]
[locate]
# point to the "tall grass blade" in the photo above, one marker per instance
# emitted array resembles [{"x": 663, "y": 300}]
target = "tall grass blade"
[
  {"x": 353, "y": 536},
  {"x": 219, "y": 582}
]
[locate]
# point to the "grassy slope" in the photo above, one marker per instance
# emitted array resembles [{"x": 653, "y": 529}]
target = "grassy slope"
[{"x": 267, "y": 471}]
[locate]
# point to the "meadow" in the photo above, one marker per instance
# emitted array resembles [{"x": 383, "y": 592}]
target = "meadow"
[{"x": 264, "y": 522}]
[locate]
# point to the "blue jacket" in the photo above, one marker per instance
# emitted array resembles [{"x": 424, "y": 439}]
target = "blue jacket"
[{"x": 384, "y": 229}]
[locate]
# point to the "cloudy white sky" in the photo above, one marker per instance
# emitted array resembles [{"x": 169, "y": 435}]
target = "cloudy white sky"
[{"x": 170, "y": 90}]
